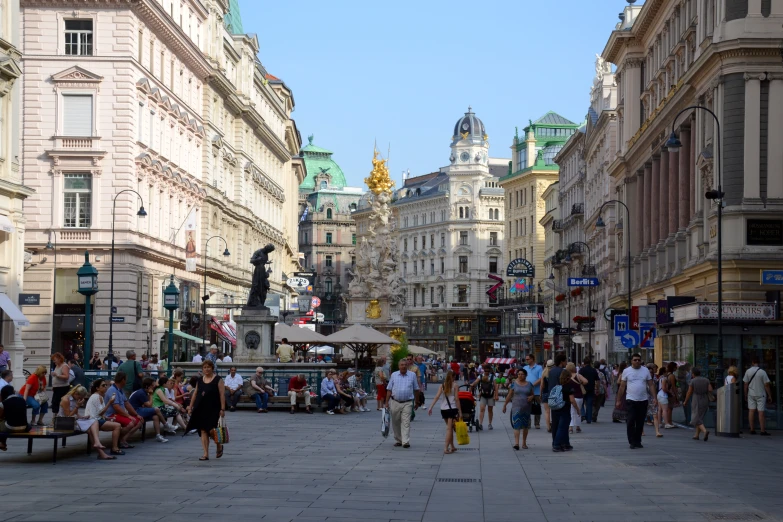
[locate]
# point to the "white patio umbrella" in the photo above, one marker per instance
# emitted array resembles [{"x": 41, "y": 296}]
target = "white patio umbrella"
[{"x": 360, "y": 339}]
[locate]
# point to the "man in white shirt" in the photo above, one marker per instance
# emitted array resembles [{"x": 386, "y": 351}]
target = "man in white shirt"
[
  {"x": 197, "y": 358},
  {"x": 757, "y": 391},
  {"x": 227, "y": 358},
  {"x": 635, "y": 383},
  {"x": 233, "y": 383},
  {"x": 400, "y": 393},
  {"x": 6, "y": 376}
]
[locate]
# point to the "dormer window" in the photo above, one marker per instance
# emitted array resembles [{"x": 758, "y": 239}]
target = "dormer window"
[
  {"x": 324, "y": 184},
  {"x": 328, "y": 212}
]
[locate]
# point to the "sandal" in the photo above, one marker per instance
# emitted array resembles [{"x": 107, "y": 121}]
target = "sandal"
[
  {"x": 397, "y": 444},
  {"x": 659, "y": 435},
  {"x": 448, "y": 452},
  {"x": 516, "y": 447},
  {"x": 125, "y": 445},
  {"x": 219, "y": 452},
  {"x": 524, "y": 446},
  {"x": 106, "y": 458},
  {"x": 203, "y": 458}
]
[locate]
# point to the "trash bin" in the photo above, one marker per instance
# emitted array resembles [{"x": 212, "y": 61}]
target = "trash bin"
[
  {"x": 727, "y": 415},
  {"x": 282, "y": 386}
]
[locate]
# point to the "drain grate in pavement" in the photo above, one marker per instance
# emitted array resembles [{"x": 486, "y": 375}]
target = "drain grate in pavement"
[
  {"x": 468, "y": 449},
  {"x": 458, "y": 480},
  {"x": 733, "y": 516}
]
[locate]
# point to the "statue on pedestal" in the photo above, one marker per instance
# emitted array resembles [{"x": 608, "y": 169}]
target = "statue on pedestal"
[{"x": 260, "y": 284}]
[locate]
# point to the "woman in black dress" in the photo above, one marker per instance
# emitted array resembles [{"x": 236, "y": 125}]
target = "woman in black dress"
[{"x": 207, "y": 406}]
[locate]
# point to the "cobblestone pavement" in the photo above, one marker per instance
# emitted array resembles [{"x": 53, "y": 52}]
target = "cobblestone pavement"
[{"x": 281, "y": 467}]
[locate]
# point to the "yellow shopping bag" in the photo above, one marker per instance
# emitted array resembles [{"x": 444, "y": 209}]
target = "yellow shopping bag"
[{"x": 462, "y": 433}]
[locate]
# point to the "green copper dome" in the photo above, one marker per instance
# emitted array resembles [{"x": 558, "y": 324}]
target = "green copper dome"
[
  {"x": 319, "y": 161},
  {"x": 233, "y": 20}
]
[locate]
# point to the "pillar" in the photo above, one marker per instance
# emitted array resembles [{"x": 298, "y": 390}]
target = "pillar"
[
  {"x": 655, "y": 215},
  {"x": 686, "y": 179},
  {"x": 674, "y": 189},
  {"x": 754, "y": 8},
  {"x": 752, "y": 187},
  {"x": 692, "y": 168},
  {"x": 638, "y": 217},
  {"x": 646, "y": 200},
  {"x": 663, "y": 188},
  {"x": 775, "y": 135},
  {"x": 776, "y": 9}
]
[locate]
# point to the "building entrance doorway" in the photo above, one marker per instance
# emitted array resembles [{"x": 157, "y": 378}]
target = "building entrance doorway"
[{"x": 462, "y": 351}]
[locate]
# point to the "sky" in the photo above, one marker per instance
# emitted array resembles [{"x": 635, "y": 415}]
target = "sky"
[{"x": 403, "y": 72}]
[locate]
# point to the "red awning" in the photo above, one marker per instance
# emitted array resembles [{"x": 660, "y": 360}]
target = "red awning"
[
  {"x": 221, "y": 329},
  {"x": 499, "y": 360}
]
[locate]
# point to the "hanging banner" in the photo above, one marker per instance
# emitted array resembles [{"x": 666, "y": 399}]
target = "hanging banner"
[{"x": 190, "y": 242}]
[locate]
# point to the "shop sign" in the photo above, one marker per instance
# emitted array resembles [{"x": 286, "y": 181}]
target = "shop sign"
[
  {"x": 29, "y": 299},
  {"x": 768, "y": 277},
  {"x": 766, "y": 232},
  {"x": 463, "y": 338},
  {"x": 521, "y": 268},
  {"x": 731, "y": 311}
]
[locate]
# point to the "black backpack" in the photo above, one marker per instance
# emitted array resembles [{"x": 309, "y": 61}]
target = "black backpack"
[{"x": 487, "y": 388}]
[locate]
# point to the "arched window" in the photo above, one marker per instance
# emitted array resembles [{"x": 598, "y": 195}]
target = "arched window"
[
  {"x": 461, "y": 213},
  {"x": 353, "y": 206},
  {"x": 328, "y": 213},
  {"x": 467, "y": 213}
]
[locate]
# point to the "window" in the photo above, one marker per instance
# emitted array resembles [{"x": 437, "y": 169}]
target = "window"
[
  {"x": 328, "y": 261},
  {"x": 464, "y": 325},
  {"x": 353, "y": 239},
  {"x": 467, "y": 213},
  {"x": 423, "y": 241},
  {"x": 415, "y": 293},
  {"x": 432, "y": 240},
  {"x": 443, "y": 240},
  {"x": 141, "y": 45},
  {"x": 78, "y": 37},
  {"x": 404, "y": 268},
  {"x": 328, "y": 238},
  {"x": 461, "y": 213},
  {"x": 305, "y": 237},
  {"x": 432, "y": 267},
  {"x": 328, "y": 213},
  {"x": 353, "y": 261},
  {"x": 324, "y": 184},
  {"x": 415, "y": 268},
  {"x": 415, "y": 243},
  {"x": 77, "y": 115},
  {"x": 442, "y": 266},
  {"x": 405, "y": 245},
  {"x": 493, "y": 265},
  {"x": 497, "y": 214},
  {"x": 463, "y": 264},
  {"x": 432, "y": 294},
  {"x": 328, "y": 285},
  {"x": 422, "y": 266},
  {"x": 493, "y": 239},
  {"x": 162, "y": 64},
  {"x": 463, "y": 237},
  {"x": 77, "y": 199}
]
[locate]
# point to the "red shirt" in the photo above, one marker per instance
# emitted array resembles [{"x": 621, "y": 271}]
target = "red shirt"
[
  {"x": 32, "y": 385},
  {"x": 297, "y": 383},
  {"x": 455, "y": 368}
]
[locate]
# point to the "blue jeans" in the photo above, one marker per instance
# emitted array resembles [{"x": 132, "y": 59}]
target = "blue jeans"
[
  {"x": 560, "y": 420},
  {"x": 587, "y": 408},
  {"x": 332, "y": 400},
  {"x": 262, "y": 400},
  {"x": 37, "y": 406}
]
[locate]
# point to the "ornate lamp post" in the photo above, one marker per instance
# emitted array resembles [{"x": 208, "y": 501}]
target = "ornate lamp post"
[
  {"x": 88, "y": 286},
  {"x": 141, "y": 213},
  {"x": 205, "y": 297},
  {"x": 171, "y": 303},
  {"x": 673, "y": 144}
]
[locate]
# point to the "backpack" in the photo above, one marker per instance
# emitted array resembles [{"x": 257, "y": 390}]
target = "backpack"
[
  {"x": 556, "y": 401},
  {"x": 487, "y": 389}
]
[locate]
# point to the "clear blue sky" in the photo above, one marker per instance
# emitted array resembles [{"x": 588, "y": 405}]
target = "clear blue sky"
[{"x": 403, "y": 72}]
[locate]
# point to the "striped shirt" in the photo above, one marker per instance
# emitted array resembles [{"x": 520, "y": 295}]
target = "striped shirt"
[{"x": 401, "y": 386}]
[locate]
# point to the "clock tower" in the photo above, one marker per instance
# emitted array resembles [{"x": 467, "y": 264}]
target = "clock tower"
[{"x": 469, "y": 143}]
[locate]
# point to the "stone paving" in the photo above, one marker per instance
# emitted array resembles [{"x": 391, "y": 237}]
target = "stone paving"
[{"x": 280, "y": 467}]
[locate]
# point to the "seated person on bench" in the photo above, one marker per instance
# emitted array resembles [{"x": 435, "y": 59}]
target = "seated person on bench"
[
  {"x": 297, "y": 387},
  {"x": 13, "y": 414}
]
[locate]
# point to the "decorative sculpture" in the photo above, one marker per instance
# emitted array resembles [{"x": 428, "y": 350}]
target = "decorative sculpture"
[{"x": 260, "y": 285}]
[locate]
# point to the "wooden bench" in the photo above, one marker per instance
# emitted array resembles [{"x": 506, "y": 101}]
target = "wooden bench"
[
  {"x": 278, "y": 401},
  {"x": 45, "y": 432}
]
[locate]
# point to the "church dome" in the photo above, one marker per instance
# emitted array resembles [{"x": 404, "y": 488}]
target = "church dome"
[{"x": 469, "y": 127}]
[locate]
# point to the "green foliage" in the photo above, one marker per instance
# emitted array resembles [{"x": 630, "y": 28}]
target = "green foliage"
[{"x": 399, "y": 352}]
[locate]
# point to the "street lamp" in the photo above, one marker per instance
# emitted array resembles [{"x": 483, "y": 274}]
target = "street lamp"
[
  {"x": 53, "y": 248},
  {"x": 589, "y": 295},
  {"x": 205, "y": 297},
  {"x": 88, "y": 286},
  {"x": 673, "y": 144},
  {"x": 171, "y": 303},
  {"x": 141, "y": 213},
  {"x": 600, "y": 224}
]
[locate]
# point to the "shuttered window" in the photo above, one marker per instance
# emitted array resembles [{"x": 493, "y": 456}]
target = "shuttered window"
[{"x": 77, "y": 115}]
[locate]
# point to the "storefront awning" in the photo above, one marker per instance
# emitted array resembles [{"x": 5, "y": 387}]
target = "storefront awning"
[
  {"x": 189, "y": 337},
  {"x": 12, "y": 311},
  {"x": 6, "y": 225},
  {"x": 500, "y": 360}
]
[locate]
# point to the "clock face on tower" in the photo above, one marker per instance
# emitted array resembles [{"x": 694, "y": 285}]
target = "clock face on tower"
[
  {"x": 464, "y": 156},
  {"x": 465, "y": 126}
]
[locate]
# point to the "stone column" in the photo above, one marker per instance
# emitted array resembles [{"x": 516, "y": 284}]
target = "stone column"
[
  {"x": 674, "y": 189},
  {"x": 754, "y": 8},
  {"x": 686, "y": 179},
  {"x": 752, "y": 165},
  {"x": 646, "y": 200},
  {"x": 776, "y": 9},
  {"x": 638, "y": 217},
  {"x": 654, "y": 213},
  {"x": 693, "y": 170},
  {"x": 775, "y": 135},
  {"x": 663, "y": 188}
]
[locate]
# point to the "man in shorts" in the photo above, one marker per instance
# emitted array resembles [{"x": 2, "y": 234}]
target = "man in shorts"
[
  {"x": 758, "y": 393},
  {"x": 121, "y": 410}
]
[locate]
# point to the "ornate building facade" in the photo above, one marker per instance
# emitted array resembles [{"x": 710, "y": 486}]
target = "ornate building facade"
[
  {"x": 327, "y": 231},
  {"x": 450, "y": 232},
  {"x": 153, "y": 103}
]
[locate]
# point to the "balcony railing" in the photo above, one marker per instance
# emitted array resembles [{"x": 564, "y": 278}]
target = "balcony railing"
[
  {"x": 76, "y": 142},
  {"x": 557, "y": 225},
  {"x": 519, "y": 300},
  {"x": 577, "y": 209}
]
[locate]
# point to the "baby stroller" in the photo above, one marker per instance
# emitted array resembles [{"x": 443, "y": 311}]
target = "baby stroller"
[{"x": 468, "y": 404}]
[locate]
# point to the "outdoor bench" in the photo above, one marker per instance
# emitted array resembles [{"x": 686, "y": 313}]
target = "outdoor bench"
[{"x": 45, "y": 432}]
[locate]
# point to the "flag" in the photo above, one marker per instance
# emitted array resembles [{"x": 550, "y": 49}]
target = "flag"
[
  {"x": 304, "y": 214},
  {"x": 190, "y": 241}
]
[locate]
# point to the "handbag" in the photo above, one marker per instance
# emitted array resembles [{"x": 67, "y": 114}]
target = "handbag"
[
  {"x": 64, "y": 424},
  {"x": 535, "y": 407},
  {"x": 220, "y": 434},
  {"x": 40, "y": 395},
  {"x": 385, "y": 422},
  {"x": 462, "y": 433}
]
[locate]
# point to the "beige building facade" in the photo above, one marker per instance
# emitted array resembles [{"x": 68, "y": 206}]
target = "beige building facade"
[{"x": 154, "y": 103}]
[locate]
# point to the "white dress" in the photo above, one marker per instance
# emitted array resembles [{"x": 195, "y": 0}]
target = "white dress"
[{"x": 81, "y": 424}]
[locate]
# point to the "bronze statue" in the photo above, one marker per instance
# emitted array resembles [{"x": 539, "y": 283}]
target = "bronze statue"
[{"x": 260, "y": 284}]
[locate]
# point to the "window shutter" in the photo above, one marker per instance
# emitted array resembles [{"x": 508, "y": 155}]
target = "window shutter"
[{"x": 77, "y": 115}]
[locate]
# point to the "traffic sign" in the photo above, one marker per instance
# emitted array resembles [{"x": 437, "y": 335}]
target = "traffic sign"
[
  {"x": 647, "y": 334},
  {"x": 620, "y": 325},
  {"x": 630, "y": 339},
  {"x": 316, "y": 302},
  {"x": 583, "y": 281}
]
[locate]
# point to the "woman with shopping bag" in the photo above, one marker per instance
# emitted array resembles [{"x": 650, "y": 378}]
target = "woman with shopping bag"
[
  {"x": 207, "y": 409},
  {"x": 521, "y": 396},
  {"x": 450, "y": 409}
]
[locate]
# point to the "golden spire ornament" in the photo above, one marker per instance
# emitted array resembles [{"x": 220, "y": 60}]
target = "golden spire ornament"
[{"x": 379, "y": 180}]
